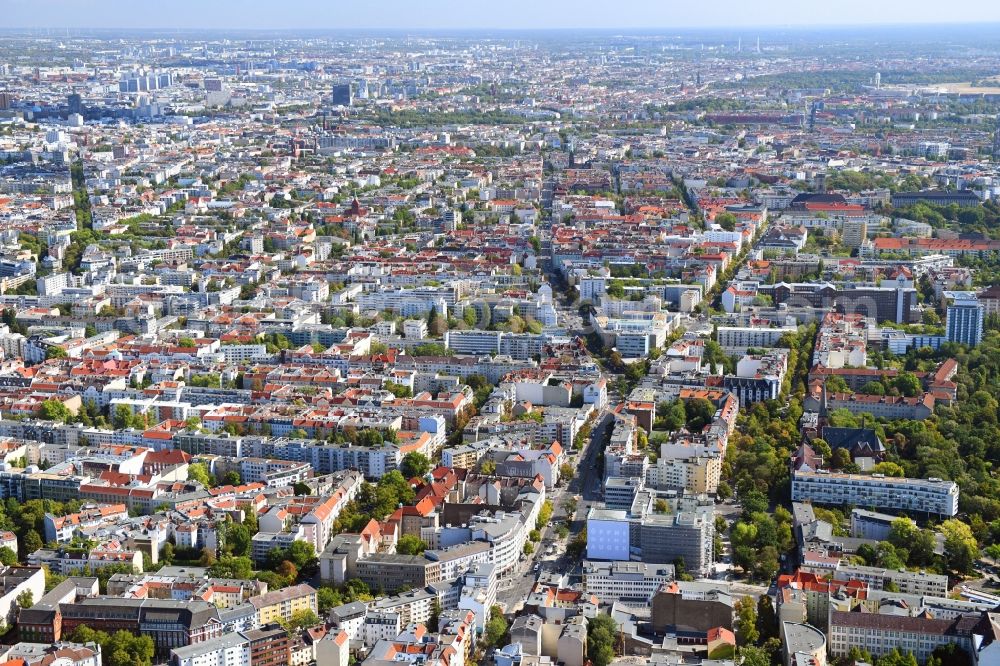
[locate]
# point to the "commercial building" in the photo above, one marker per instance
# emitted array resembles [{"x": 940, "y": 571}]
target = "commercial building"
[
  {"x": 654, "y": 538},
  {"x": 636, "y": 582},
  {"x": 607, "y": 535},
  {"x": 665, "y": 538},
  {"x": 342, "y": 94}
]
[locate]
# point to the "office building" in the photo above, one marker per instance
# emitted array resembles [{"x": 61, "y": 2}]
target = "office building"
[
  {"x": 342, "y": 95},
  {"x": 689, "y": 536},
  {"x": 635, "y": 582},
  {"x": 607, "y": 534}
]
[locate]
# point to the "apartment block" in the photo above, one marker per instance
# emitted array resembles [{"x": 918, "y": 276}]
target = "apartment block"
[{"x": 932, "y": 496}]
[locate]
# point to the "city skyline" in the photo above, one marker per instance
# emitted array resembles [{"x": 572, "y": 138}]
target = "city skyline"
[
  {"x": 454, "y": 15},
  {"x": 444, "y": 334}
]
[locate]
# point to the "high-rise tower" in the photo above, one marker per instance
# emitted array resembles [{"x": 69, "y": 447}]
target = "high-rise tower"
[{"x": 996, "y": 141}]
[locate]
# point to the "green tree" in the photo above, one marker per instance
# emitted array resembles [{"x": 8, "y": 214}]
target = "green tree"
[
  {"x": 749, "y": 655},
  {"x": 601, "y": 633},
  {"x": 55, "y": 410},
  {"x": 26, "y": 599},
  {"x": 673, "y": 415},
  {"x": 327, "y": 598},
  {"x": 199, "y": 472},
  {"x": 902, "y": 532},
  {"x": 746, "y": 621},
  {"x": 889, "y": 469},
  {"x": 300, "y": 554},
  {"x": 409, "y": 544},
  {"x": 232, "y": 478},
  {"x": 232, "y": 567},
  {"x": 873, "y": 388},
  {"x": 889, "y": 557},
  {"x": 754, "y": 502},
  {"x": 7, "y": 556},
  {"x": 54, "y": 351},
  {"x": 123, "y": 417},
  {"x": 896, "y": 658},
  {"x": 32, "y": 541},
  {"x": 767, "y": 619},
  {"x": 960, "y": 547},
  {"x": 907, "y": 384},
  {"x": 249, "y": 518},
  {"x": 726, "y": 220},
  {"x": 121, "y": 648},
  {"x": 841, "y": 458},
  {"x": 949, "y": 654},
  {"x": 496, "y": 628},
  {"x": 415, "y": 464},
  {"x": 302, "y": 619},
  {"x": 239, "y": 539},
  {"x": 544, "y": 515},
  {"x": 836, "y": 384},
  {"x": 842, "y": 418}
]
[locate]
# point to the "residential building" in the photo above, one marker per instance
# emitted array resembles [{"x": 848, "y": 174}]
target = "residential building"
[{"x": 929, "y": 496}]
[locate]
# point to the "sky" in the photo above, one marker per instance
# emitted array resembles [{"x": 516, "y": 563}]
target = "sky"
[{"x": 478, "y": 14}]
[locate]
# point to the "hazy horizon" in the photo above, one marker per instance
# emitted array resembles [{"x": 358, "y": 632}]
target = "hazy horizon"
[{"x": 451, "y": 15}]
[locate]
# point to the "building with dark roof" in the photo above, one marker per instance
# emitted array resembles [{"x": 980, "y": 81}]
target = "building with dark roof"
[
  {"x": 880, "y": 632},
  {"x": 937, "y": 197},
  {"x": 859, "y": 442},
  {"x": 801, "y": 201}
]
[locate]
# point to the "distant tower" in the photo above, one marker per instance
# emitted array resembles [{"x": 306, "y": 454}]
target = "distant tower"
[
  {"x": 739, "y": 45},
  {"x": 758, "y": 43},
  {"x": 996, "y": 142},
  {"x": 878, "y": 80}
]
